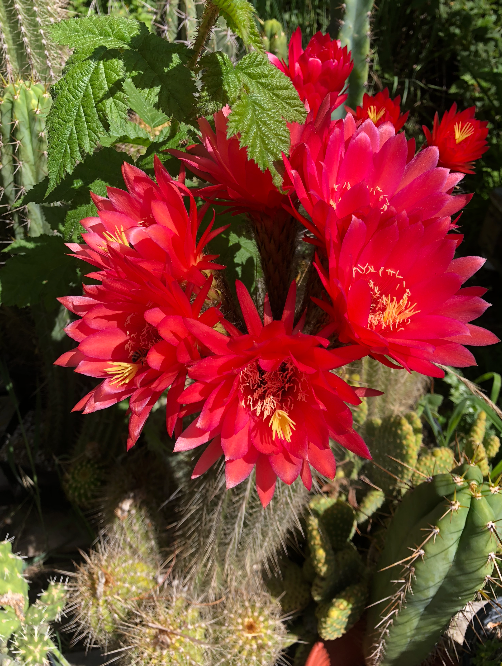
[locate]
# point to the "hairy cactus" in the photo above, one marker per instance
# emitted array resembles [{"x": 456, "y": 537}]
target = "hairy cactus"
[
  {"x": 336, "y": 617},
  {"x": 438, "y": 460},
  {"x": 394, "y": 445},
  {"x": 26, "y": 48},
  {"x": 439, "y": 551},
  {"x": 121, "y": 570},
  {"x": 82, "y": 481},
  {"x": 225, "y": 534},
  {"x": 23, "y": 149},
  {"x": 166, "y": 631},
  {"x": 249, "y": 630},
  {"x": 25, "y": 634}
]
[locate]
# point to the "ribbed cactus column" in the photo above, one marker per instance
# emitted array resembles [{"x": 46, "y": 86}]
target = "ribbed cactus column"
[
  {"x": 23, "y": 150},
  {"x": 350, "y": 22},
  {"x": 26, "y": 49}
]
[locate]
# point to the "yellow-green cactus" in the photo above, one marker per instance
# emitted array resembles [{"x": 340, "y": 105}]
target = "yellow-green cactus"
[
  {"x": 348, "y": 569},
  {"x": 492, "y": 446},
  {"x": 336, "y": 617},
  {"x": 435, "y": 461}
]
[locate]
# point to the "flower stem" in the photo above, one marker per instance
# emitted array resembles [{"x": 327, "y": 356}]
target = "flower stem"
[{"x": 207, "y": 21}]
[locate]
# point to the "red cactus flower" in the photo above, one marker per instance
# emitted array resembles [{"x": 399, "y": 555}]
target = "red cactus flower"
[
  {"x": 366, "y": 172},
  {"x": 461, "y": 139},
  {"x": 321, "y": 69},
  {"x": 398, "y": 292},
  {"x": 268, "y": 399},
  {"x": 381, "y": 109},
  {"x": 151, "y": 226}
]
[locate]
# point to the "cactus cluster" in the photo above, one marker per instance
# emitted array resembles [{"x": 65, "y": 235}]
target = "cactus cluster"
[
  {"x": 479, "y": 445},
  {"x": 25, "y": 634},
  {"x": 440, "y": 549}
]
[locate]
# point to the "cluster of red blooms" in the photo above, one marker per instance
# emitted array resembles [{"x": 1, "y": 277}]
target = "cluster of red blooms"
[{"x": 263, "y": 394}]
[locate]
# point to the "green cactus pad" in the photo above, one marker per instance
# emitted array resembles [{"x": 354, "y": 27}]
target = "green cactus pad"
[
  {"x": 339, "y": 523},
  {"x": 291, "y": 589},
  {"x": 336, "y": 617},
  {"x": 439, "y": 550},
  {"x": 321, "y": 551},
  {"x": 32, "y": 645},
  {"x": 48, "y": 606},
  {"x": 308, "y": 570},
  {"x": 492, "y": 446},
  {"x": 394, "y": 446},
  {"x": 348, "y": 570},
  {"x": 13, "y": 586},
  {"x": 436, "y": 461},
  {"x": 370, "y": 503}
]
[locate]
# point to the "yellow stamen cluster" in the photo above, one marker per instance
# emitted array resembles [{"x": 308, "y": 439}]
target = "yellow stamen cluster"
[
  {"x": 118, "y": 237},
  {"x": 123, "y": 372},
  {"x": 464, "y": 132},
  {"x": 375, "y": 115},
  {"x": 282, "y": 425}
]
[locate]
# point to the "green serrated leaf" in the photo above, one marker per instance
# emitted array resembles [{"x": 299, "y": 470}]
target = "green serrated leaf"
[
  {"x": 72, "y": 227},
  {"x": 240, "y": 18},
  {"x": 257, "y": 74},
  {"x": 140, "y": 105},
  {"x": 158, "y": 70},
  {"x": 220, "y": 83},
  {"x": 84, "y": 101},
  {"x": 260, "y": 129},
  {"x": 113, "y": 32},
  {"x": 39, "y": 272}
]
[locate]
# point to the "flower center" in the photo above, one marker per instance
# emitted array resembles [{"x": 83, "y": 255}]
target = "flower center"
[
  {"x": 122, "y": 373},
  {"x": 282, "y": 425},
  {"x": 117, "y": 237},
  {"x": 463, "y": 132},
  {"x": 142, "y": 336},
  {"x": 375, "y": 115},
  {"x": 272, "y": 395},
  {"x": 391, "y": 307}
]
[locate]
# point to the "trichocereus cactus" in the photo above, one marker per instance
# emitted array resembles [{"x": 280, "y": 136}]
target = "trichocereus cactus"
[
  {"x": 440, "y": 550},
  {"x": 25, "y": 636},
  {"x": 23, "y": 150},
  {"x": 123, "y": 569},
  {"x": 394, "y": 442}
]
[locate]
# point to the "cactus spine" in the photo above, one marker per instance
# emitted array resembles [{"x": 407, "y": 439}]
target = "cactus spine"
[
  {"x": 25, "y": 634},
  {"x": 449, "y": 525},
  {"x": 23, "y": 148}
]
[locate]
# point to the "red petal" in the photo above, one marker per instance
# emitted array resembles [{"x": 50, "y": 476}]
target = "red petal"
[
  {"x": 285, "y": 466},
  {"x": 238, "y": 470},
  {"x": 249, "y": 312},
  {"x": 322, "y": 460},
  {"x": 208, "y": 458},
  {"x": 265, "y": 480}
]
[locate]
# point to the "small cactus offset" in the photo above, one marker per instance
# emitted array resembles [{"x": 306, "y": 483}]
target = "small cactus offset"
[
  {"x": 23, "y": 151},
  {"x": 440, "y": 549},
  {"x": 25, "y": 633},
  {"x": 166, "y": 631},
  {"x": 249, "y": 630},
  {"x": 336, "y": 617}
]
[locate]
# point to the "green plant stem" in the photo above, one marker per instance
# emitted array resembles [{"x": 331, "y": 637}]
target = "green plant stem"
[{"x": 206, "y": 23}]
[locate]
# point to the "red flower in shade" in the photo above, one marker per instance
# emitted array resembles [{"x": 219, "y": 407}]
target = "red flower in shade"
[
  {"x": 381, "y": 109},
  {"x": 368, "y": 172},
  {"x": 131, "y": 331},
  {"x": 461, "y": 139},
  {"x": 268, "y": 399},
  {"x": 398, "y": 293},
  {"x": 237, "y": 180},
  {"x": 319, "y": 70}
]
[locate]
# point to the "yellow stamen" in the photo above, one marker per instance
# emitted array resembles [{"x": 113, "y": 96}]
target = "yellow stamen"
[
  {"x": 282, "y": 425},
  {"x": 396, "y": 311},
  {"x": 375, "y": 115},
  {"x": 118, "y": 237},
  {"x": 464, "y": 132},
  {"x": 124, "y": 372}
]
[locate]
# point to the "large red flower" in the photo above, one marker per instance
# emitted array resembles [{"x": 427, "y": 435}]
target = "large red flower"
[
  {"x": 268, "y": 399},
  {"x": 131, "y": 333},
  {"x": 381, "y": 109},
  {"x": 321, "y": 69},
  {"x": 398, "y": 292},
  {"x": 368, "y": 172},
  {"x": 461, "y": 139}
]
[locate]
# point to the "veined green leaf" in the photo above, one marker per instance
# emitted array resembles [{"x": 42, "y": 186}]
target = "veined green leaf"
[
  {"x": 145, "y": 110},
  {"x": 220, "y": 82},
  {"x": 84, "y": 100},
  {"x": 113, "y": 32}
]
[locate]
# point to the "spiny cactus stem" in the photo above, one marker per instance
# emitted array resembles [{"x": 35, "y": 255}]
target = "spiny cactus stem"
[
  {"x": 166, "y": 630},
  {"x": 207, "y": 22}
]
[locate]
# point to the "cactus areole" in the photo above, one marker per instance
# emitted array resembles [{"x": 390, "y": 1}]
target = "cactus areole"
[{"x": 440, "y": 550}]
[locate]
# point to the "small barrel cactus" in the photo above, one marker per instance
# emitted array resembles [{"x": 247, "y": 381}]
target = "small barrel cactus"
[{"x": 82, "y": 481}]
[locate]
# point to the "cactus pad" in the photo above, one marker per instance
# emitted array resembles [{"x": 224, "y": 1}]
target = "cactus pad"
[
  {"x": 292, "y": 590},
  {"x": 370, "y": 503},
  {"x": 436, "y": 461},
  {"x": 348, "y": 570},
  {"x": 336, "y": 617}
]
